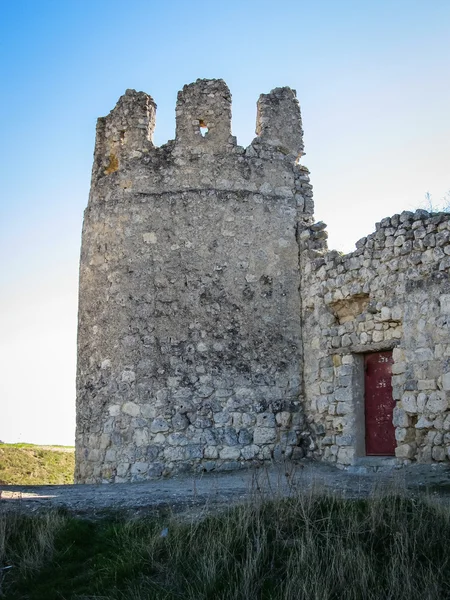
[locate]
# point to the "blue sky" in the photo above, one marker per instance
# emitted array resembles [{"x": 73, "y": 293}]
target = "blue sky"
[{"x": 373, "y": 82}]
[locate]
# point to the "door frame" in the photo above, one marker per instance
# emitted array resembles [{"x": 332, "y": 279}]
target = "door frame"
[{"x": 359, "y": 394}]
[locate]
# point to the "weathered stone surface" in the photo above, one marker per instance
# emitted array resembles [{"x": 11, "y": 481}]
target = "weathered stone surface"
[
  {"x": 131, "y": 408},
  {"x": 159, "y": 425},
  {"x": 405, "y": 451},
  {"x": 216, "y": 327},
  {"x": 230, "y": 453},
  {"x": 446, "y": 382},
  {"x": 391, "y": 293},
  {"x": 409, "y": 404},
  {"x": 189, "y": 281},
  {"x": 264, "y": 435}
]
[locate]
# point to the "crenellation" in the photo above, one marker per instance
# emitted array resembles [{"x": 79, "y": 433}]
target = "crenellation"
[
  {"x": 279, "y": 123},
  {"x": 126, "y": 133},
  {"x": 203, "y": 118}
]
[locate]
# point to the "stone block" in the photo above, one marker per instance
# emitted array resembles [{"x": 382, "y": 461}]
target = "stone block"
[
  {"x": 148, "y": 411},
  {"x": 385, "y": 313},
  {"x": 230, "y": 453},
  {"x": 405, "y": 451},
  {"x": 211, "y": 452},
  {"x": 140, "y": 437},
  {"x": 230, "y": 437},
  {"x": 344, "y": 408},
  {"x": 248, "y": 419},
  {"x": 155, "y": 470},
  {"x": 193, "y": 451},
  {"x": 377, "y": 336},
  {"x": 249, "y": 452},
  {"x": 152, "y": 453},
  {"x": 400, "y": 417},
  {"x": 426, "y": 384},
  {"x": 437, "y": 402},
  {"x": 344, "y": 395},
  {"x": 105, "y": 441},
  {"x": 289, "y": 438},
  {"x": 445, "y": 304},
  {"x": 222, "y": 418},
  {"x": 423, "y": 423},
  {"x": 139, "y": 468},
  {"x": 128, "y": 376},
  {"x": 131, "y": 408},
  {"x": 438, "y": 453},
  {"x": 322, "y": 404},
  {"x": 111, "y": 455},
  {"x": 409, "y": 405},
  {"x": 94, "y": 455},
  {"x": 343, "y": 440},
  {"x": 446, "y": 382},
  {"x": 401, "y": 434},
  {"x": 177, "y": 439},
  {"x": 345, "y": 456},
  {"x": 245, "y": 437},
  {"x": 283, "y": 419},
  {"x": 122, "y": 469},
  {"x": 423, "y": 354},
  {"x": 174, "y": 453},
  {"x": 265, "y": 420},
  {"x": 159, "y": 425},
  {"x": 421, "y": 401},
  {"x": 398, "y": 368},
  {"x": 179, "y": 422},
  {"x": 264, "y": 435}
]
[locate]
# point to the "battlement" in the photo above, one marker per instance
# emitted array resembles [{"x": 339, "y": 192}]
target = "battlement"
[
  {"x": 203, "y": 117},
  {"x": 127, "y": 132},
  {"x": 279, "y": 122},
  {"x": 203, "y": 127}
]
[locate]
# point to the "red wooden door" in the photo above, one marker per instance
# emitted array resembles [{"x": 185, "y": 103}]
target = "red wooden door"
[{"x": 379, "y": 404}]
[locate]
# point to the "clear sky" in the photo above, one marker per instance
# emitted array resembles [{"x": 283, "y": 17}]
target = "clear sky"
[{"x": 372, "y": 77}]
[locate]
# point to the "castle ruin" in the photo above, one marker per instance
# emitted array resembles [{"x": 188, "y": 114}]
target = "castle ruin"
[{"x": 217, "y": 330}]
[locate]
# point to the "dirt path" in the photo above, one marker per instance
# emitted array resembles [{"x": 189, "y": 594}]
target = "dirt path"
[{"x": 193, "y": 495}]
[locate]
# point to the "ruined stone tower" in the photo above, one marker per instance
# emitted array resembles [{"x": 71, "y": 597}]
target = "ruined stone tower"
[
  {"x": 216, "y": 329},
  {"x": 189, "y": 349}
]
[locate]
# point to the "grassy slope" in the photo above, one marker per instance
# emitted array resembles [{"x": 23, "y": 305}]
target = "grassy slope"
[
  {"x": 309, "y": 548},
  {"x": 26, "y": 464}
]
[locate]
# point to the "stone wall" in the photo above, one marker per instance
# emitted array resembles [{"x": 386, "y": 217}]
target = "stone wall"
[
  {"x": 216, "y": 329},
  {"x": 190, "y": 346},
  {"x": 393, "y": 292}
]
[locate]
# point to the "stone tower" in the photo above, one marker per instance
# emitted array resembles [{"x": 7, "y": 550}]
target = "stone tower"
[{"x": 189, "y": 342}]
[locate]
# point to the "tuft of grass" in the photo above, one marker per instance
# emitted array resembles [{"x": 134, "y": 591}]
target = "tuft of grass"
[
  {"x": 433, "y": 206},
  {"x": 27, "y": 464},
  {"x": 308, "y": 547}
]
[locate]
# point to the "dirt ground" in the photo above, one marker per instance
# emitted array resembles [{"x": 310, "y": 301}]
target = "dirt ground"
[{"x": 196, "y": 495}]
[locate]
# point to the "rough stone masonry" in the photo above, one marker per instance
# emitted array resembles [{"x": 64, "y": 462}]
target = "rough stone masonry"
[{"x": 217, "y": 330}]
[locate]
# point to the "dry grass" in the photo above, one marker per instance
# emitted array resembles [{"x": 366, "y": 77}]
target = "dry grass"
[
  {"x": 27, "y": 464},
  {"x": 313, "y": 547}
]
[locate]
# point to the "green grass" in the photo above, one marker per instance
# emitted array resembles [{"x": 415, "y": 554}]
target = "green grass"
[
  {"x": 314, "y": 548},
  {"x": 27, "y": 464}
]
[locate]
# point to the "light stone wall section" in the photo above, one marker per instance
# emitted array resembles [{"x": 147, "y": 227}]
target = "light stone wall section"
[
  {"x": 189, "y": 344},
  {"x": 393, "y": 292}
]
